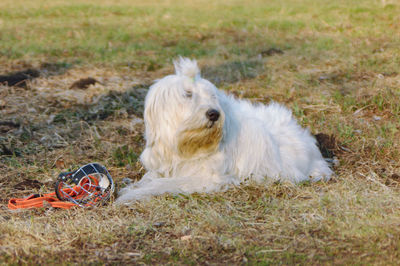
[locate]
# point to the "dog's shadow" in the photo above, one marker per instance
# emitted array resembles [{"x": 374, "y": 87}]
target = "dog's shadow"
[
  {"x": 232, "y": 72},
  {"x": 132, "y": 100}
]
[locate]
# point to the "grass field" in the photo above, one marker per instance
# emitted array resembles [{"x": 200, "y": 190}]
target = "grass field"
[{"x": 334, "y": 63}]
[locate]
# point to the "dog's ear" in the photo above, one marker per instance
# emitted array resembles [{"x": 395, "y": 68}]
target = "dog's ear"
[
  {"x": 150, "y": 130},
  {"x": 155, "y": 152},
  {"x": 150, "y": 116},
  {"x": 187, "y": 67}
]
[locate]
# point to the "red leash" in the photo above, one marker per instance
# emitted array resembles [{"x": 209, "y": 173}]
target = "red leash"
[
  {"x": 93, "y": 185},
  {"x": 36, "y": 201}
]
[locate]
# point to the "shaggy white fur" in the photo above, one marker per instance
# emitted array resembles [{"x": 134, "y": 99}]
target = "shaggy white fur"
[{"x": 198, "y": 139}]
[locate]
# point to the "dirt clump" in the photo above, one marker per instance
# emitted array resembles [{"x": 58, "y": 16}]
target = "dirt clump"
[{"x": 83, "y": 83}]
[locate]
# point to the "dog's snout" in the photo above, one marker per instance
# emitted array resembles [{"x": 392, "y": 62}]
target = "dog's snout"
[{"x": 212, "y": 115}]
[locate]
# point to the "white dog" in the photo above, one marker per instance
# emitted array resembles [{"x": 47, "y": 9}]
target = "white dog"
[{"x": 198, "y": 139}]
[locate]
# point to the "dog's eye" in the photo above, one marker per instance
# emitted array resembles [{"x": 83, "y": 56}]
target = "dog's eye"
[{"x": 188, "y": 94}]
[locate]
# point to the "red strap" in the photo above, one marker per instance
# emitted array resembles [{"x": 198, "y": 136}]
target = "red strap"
[{"x": 36, "y": 201}]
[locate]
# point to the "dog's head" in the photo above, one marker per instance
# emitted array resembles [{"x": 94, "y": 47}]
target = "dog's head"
[{"x": 182, "y": 112}]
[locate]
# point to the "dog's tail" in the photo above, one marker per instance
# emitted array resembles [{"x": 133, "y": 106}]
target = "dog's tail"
[{"x": 187, "y": 67}]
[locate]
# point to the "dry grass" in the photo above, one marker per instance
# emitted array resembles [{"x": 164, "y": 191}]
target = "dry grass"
[{"x": 338, "y": 72}]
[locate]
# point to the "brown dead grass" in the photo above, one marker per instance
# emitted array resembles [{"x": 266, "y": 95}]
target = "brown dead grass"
[
  {"x": 350, "y": 91},
  {"x": 352, "y": 219}
]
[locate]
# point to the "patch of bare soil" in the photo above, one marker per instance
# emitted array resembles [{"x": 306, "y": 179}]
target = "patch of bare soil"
[
  {"x": 19, "y": 78},
  {"x": 327, "y": 145},
  {"x": 271, "y": 51},
  {"x": 6, "y": 126},
  {"x": 28, "y": 184}
]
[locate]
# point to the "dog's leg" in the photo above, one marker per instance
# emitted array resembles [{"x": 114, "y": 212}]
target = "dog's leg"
[{"x": 150, "y": 185}]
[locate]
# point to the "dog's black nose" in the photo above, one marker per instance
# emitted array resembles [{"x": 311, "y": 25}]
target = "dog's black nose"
[{"x": 212, "y": 115}]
